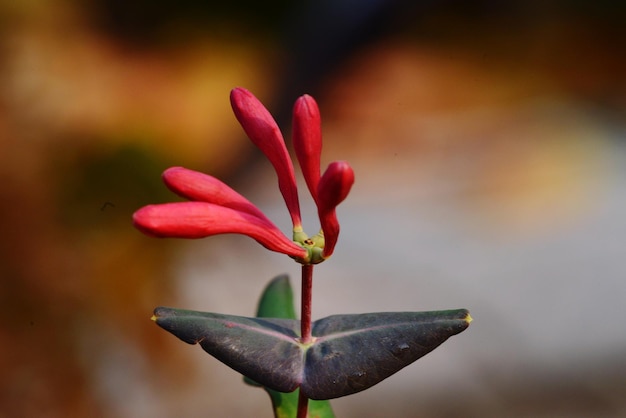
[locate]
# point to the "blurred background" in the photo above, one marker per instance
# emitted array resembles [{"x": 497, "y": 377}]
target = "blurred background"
[{"x": 488, "y": 141}]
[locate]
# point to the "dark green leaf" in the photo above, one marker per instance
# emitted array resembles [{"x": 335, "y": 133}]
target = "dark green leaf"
[
  {"x": 350, "y": 353},
  {"x": 276, "y": 302},
  {"x": 266, "y": 350},
  {"x": 354, "y": 352}
]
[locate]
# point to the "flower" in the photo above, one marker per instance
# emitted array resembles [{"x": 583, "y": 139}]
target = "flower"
[{"x": 214, "y": 208}]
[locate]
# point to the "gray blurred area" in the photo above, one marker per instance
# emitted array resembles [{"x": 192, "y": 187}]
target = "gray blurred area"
[{"x": 488, "y": 143}]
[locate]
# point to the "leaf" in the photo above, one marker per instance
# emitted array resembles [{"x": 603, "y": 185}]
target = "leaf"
[
  {"x": 354, "y": 352},
  {"x": 349, "y": 353},
  {"x": 277, "y": 300},
  {"x": 266, "y": 350}
]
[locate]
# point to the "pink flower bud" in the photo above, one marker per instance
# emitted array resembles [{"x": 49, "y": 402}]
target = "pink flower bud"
[
  {"x": 333, "y": 188},
  {"x": 197, "y": 186},
  {"x": 200, "y": 219},
  {"x": 263, "y": 131},
  {"x": 307, "y": 140}
]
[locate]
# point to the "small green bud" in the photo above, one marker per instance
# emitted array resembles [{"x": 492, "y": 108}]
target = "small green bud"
[
  {"x": 300, "y": 237},
  {"x": 318, "y": 240}
]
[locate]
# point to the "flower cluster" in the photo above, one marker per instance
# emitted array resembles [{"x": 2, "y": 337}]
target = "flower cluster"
[{"x": 215, "y": 208}]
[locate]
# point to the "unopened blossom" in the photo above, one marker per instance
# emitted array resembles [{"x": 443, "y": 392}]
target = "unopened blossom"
[{"x": 215, "y": 208}]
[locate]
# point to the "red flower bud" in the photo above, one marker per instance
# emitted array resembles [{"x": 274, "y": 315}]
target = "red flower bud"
[
  {"x": 307, "y": 140},
  {"x": 197, "y": 186},
  {"x": 263, "y": 131},
  {"x": 200, "y": 219},
  {"x": 333, "y": 188}
]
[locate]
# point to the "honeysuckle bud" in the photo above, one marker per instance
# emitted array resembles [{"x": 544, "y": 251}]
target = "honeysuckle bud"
[
  {"x": 307, "y": 140},
  {"x": 201, "y": 219},
  {"x": 263, "y": 131},
  {"x": 333, "y": 188},
  {"x": 197, "y": 186}
]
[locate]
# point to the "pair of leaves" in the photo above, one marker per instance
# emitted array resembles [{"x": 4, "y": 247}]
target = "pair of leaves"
[{"x": 349, "y": 353}]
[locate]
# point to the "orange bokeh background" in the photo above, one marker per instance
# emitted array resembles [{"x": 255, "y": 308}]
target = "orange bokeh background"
[{"x": 513, "y": 115}]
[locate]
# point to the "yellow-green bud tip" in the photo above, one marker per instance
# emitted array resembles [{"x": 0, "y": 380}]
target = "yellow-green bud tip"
[{"x": 299, "y": 236}]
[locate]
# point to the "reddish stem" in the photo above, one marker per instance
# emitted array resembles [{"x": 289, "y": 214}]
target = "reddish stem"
[
  {"x": 305, "y": 330},
  {"x": 303, "y": 406},
  {"x": 307, "y": 290}
]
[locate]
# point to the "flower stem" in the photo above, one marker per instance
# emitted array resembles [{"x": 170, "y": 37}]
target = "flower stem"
[
  {"x": 305, "y": 330},
  {"x": 303, "y": 406},
  {"x": 305, "y": 324},
  {"x": 307, "y": 290}
]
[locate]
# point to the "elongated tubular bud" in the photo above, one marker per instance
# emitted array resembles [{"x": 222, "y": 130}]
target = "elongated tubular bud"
[
  {"x": 201, "y": 187},
  {"x": 307, "y": 140},
  {"x": 263, "y": 131},
  {"x": 200, "y": 219}
]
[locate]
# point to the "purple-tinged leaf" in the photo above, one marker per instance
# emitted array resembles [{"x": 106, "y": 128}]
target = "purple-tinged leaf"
[
  {"x": 266, "y": 350},
  {"x": 349, "y": 353},
  {"x": 354, "y": 352}
]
